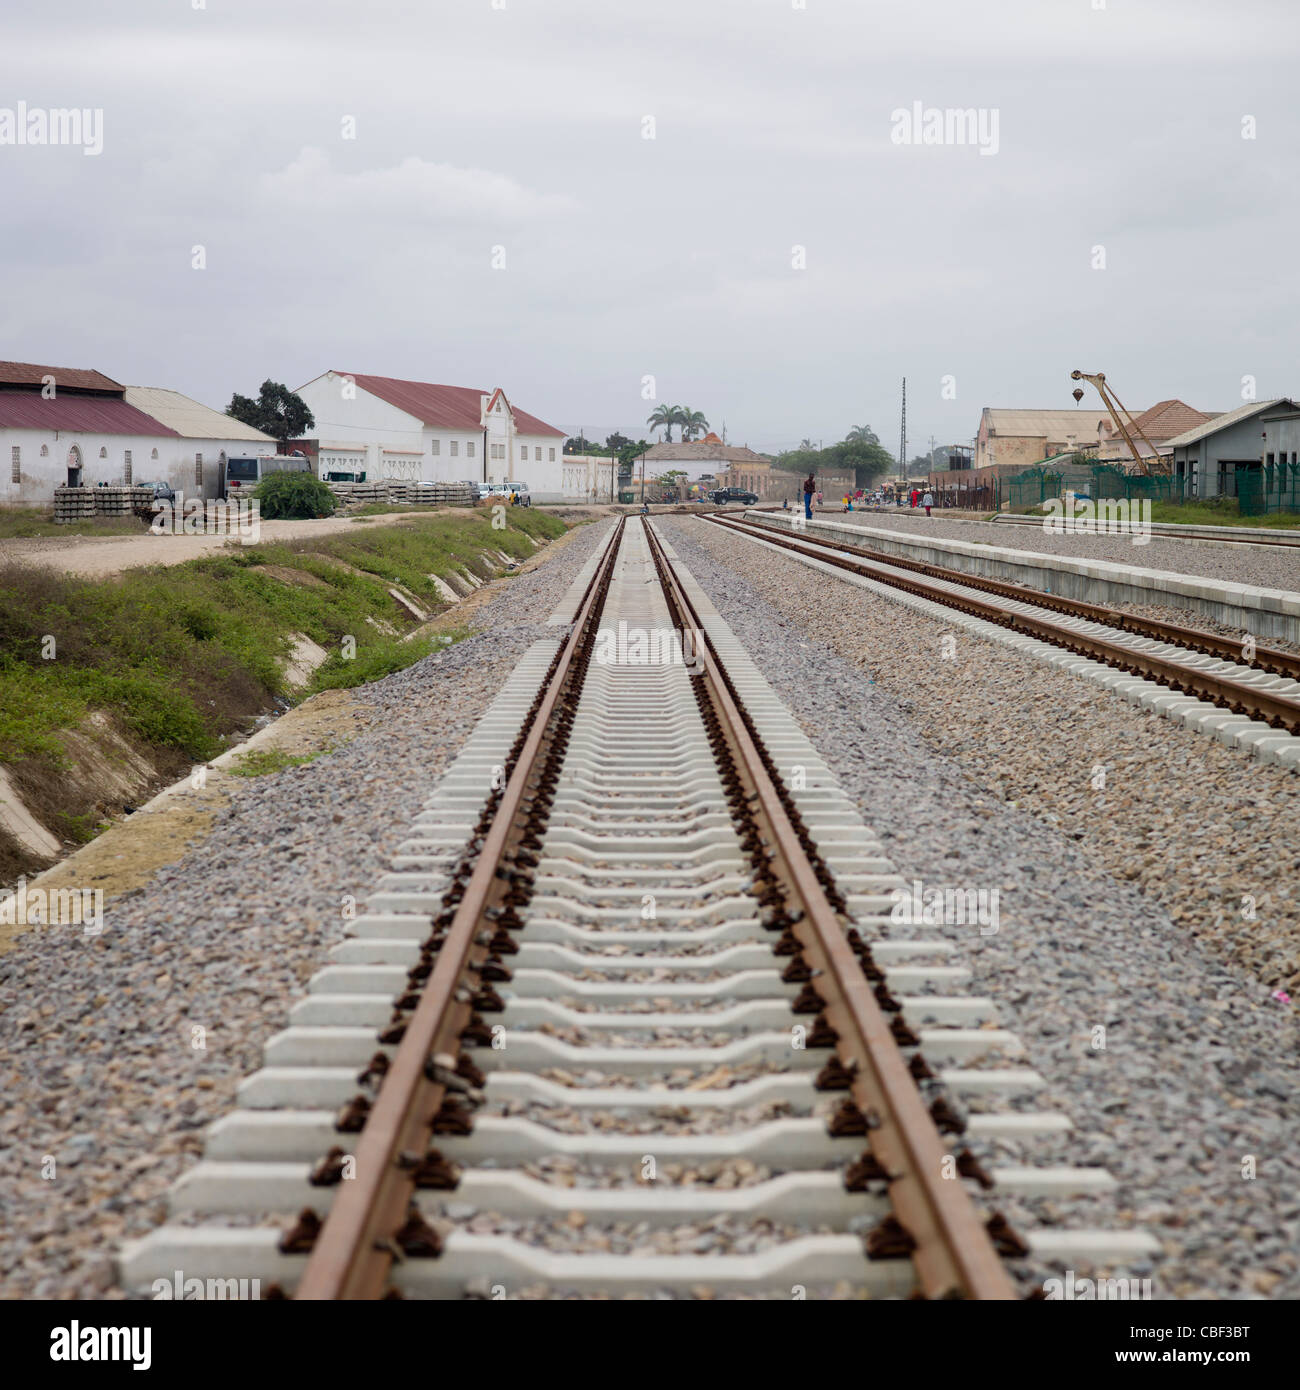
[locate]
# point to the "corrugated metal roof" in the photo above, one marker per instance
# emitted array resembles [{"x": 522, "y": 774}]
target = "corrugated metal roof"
[
  {"x": 1223, "y": 422},
  {"x": 26, "y": 410},
  {"x": 1045, "y": 424},
  {"x": 189, "y": 418},
  {"x": 700, "y": 450},
  {"x": 73, "y": 378},
  {"x": 447, "y": 407}
]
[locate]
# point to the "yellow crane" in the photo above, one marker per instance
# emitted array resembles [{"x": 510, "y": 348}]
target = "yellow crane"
[{"x": 1150, "y": 464}]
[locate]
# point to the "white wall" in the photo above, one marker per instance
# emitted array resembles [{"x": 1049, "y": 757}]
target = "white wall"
[{"x": 174, "y": 464}]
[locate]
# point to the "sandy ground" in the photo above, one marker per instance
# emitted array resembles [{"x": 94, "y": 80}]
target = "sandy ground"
[{"x": 97, "y": 556}]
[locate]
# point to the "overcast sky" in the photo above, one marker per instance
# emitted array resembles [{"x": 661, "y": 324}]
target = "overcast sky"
[{"x": 520, "y": 124}]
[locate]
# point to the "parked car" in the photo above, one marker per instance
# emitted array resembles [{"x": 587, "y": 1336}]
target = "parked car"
[
  {"x": 162, "y": 492},
  {"x": 723, "y": 495}
]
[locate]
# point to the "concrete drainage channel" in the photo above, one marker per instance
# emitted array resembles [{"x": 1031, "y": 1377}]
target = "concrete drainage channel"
[{"x": 613, "y": 950}]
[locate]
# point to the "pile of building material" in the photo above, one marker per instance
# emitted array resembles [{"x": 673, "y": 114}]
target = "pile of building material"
[
  {"x": 74, "y": 504},
  {"x": 354, "y": 495}
]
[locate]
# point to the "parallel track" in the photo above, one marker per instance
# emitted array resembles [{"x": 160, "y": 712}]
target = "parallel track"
[
  {"x": 1244, "y": 678},
  {"x": 657, "y": 836}
]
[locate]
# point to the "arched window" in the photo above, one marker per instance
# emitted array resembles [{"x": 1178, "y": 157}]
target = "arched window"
[
  {"x": 74, "y": 466},
  {"x": 103, "y": 453},
  {"x": 45, "y": 451},
  {"x": 154, "y": 455}
]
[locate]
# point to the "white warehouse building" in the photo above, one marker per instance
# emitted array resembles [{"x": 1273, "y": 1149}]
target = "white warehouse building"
[
  {"x": 66, "y": 426},
  {"x": 418, "y": 431}
]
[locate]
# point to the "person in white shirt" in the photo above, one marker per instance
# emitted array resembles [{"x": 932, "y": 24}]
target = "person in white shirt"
[{"x": 927, "y": 502}]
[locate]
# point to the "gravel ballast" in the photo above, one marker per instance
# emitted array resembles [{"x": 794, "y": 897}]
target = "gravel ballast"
[
  {"x": 1268, "y": 568},
  {"x": 101, "y": 1067},
  {"x": 1121, "y": 904}
]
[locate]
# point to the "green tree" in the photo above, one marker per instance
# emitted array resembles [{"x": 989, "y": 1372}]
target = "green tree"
[
  {"x": 692, "y": 422},
  {"x": 293, "y": 496},
  {"x": 862, "y": 434},
  {"x": 664, "y": 417},
  {"x": 277, "y": 411}
]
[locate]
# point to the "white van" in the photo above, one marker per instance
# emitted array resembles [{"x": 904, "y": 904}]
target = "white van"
[{"x": 244, "y": 474}]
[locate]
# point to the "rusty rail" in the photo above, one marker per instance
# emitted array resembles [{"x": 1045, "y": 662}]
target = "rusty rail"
[
  {"x": 373, "y": 1221},
  {"x": 934, "y": 1220},
  {"x": 1232, "y": 695}
]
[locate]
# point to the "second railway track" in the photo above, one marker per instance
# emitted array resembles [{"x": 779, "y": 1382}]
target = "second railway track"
[{"x": 630, "y": 1016}]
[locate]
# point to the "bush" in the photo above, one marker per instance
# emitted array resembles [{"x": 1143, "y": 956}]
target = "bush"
[{"x": 293, "y": 496}]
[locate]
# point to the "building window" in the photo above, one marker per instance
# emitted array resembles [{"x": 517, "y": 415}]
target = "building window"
[
  {"x": 435, "y": 447},
  {"x": 455, "y": 447},
  {"x": 552, "y": 457},
  {"x": 126, "y": 468},
  {"x": 17, "y": 455},
  {"x": 198, "y": 470},
  {"x": 537, "y": 453},
  {"x": 523, "y": 452},
  {"x": 45, "y": 451},
  {"x": 469, "y": 448},
  {"x": 154, "y": 455},
  {"x": 103, "y": 453}
]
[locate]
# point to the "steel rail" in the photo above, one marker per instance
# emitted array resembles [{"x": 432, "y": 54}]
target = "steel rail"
[
  {"x": 358, "y": 1241},
  {"x": 1270, "y": 659},
  {"x": 1231, "y": 695},
  {"x": 952, "y": 1252}
]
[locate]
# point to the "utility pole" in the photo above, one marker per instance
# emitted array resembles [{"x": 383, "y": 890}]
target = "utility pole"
[{"x": 902, "y": 445}]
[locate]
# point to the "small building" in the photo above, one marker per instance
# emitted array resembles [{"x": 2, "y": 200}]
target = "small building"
[
  {"x": 732, "y": 465},
  {"x": 1015, "y": 439},
  {"x": 73, "y": 427},
  {"x": 196, "y": 463},
  {"x": 1281, "y": 435},
  {"x": 1163, "y": 422},
  {"x": 419, "y": 431},
  {"x": 1206, "y": 458}
]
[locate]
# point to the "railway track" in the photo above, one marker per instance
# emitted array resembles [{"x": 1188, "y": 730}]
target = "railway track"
[
  {"x": 1236, "y": 676},
  {"x": 631, "y": 1016}
]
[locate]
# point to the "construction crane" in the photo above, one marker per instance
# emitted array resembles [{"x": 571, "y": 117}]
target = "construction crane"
[{"x": 1153, "y": 463}]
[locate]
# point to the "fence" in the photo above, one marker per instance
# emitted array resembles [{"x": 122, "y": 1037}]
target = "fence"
[
  {"x": 1101, "y": 481},
  {"x": 1271, "y": 488}
]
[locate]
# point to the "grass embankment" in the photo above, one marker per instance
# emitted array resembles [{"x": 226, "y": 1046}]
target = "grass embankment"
[
  {"x": 22, "y": 522},
  {"x": 182, "y": 657}
]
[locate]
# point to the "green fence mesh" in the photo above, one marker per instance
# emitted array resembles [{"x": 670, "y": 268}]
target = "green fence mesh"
[{"x": 1271, "y": 488}]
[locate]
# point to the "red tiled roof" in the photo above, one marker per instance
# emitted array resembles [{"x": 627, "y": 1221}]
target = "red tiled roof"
[
  {"x": 1166, "y": 419},
  {"x": 26, "y": 410},
  {"x": 73, "y": 378},
  {"x": 448, "y": 407}
]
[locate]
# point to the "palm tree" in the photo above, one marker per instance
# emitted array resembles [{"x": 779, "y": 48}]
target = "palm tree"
[
  {"x": 806, "y": 446},
  {"x": 663, "y": 417},
  {"x": 862, "y": 434},
  {"x": 692, "y": 422}
]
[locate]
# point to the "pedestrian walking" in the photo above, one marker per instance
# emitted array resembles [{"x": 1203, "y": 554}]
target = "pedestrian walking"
[
  {"x": 927, "y": 502},
  {"x": 809, "y": 487}
]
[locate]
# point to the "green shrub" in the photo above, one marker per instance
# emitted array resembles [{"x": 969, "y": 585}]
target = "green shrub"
[{"x": 293, "y": 496}]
